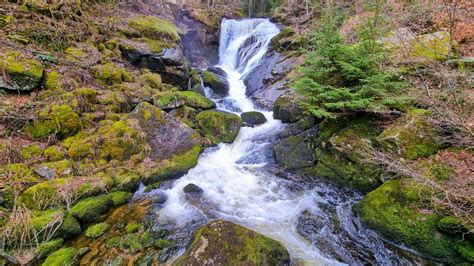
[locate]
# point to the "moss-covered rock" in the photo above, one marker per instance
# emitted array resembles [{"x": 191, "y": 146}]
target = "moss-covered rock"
[
  {"x": 399, "y": 211},
  {"x": 127, "y": 181},
  {"x": 174, "y": 167},
  {"x": 218, "y": 83},
  {"x": 229, "y": 244},
  {"x": 170, "y": 100},
  {"x": 22, "y": 73},
  {"x": 295, "y": 152},
  {"x": 52, "y": 170},
  {"x": 132, "y": 227},
  {"x": 58, "y": 119},
  {"x": 96, "y": 230},
  {"x": 431, "y": 46},
  {"x": 252, "y": 118},
  {"x": 120, "y": 197},
  {"x": 31, "y": 151},
  {"x": 45, "y": 194},
  {"x": 46, "y": 248},
  {"x": 62, "y": 257},
  {"x": 411, "y": 136},
  {"x": 151, "y": 79},
  {"x": 53, "y": 80},
  {"x": 90, "y": 209},
  {"x": 287, "y": 109},
  {"x": 341, "y": 152},
  {"x": 218, "y": 126},
  {"x": 53, "y": 153},
  {"x": 109, "y": 74},
  {"x": 287, "y": 40},
  {"x": 66, "y": 225},
  {"x": 154, "y": 27}
]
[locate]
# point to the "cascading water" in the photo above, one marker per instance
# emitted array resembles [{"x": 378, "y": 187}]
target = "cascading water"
[{"x": 313, "y": 220}]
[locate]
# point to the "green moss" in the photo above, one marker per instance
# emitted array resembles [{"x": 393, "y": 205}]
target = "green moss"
[
  {"x": 130, "y": 243},
  {"x": 53, "y": 153},
  {"x": 46, "y": 248},
  {"x": 399, "y": 211},
  {"x": 109, "y": 74},
  {"x": 170, "y": 100},
  {"x": 127, "y": 182},
  {"x": 116, "y": 101},
  {"x": 62, "y": 257},
  {"x": 97, "y": 230},
  {"x": 411, "y": 135},
  {"x": 31, "y": 151},
  {"x": 155, "y": 46},
  {"x": 466, "y": 251},
  {"x": 172, "y": 168},
  {"x": 436, "y": 170},
  {"x": 132, "y": 227},
  {"x": 53, "y": 81},
  {"x": 431, "y": 46},
  {"x": 59, "y": 119},
  {"x": 75, "y": 54},
  {"x": 121, "y": 140},
  {"x": 113, "y": 242},
  {"x": 120, "y": 197},
  {"x": 218, "y": 126},
  {"x": 151, "y": 79},
  {"x": 24, "y": 72},
  {"x": 233, "y": 244},
  {"x": 61, "y": 168},
  {"x": 163, "y": 243},
  {"x": 90, "y": 209},
  {"x": 69, "y": 228},
  {"x": 154, "y": 27}
]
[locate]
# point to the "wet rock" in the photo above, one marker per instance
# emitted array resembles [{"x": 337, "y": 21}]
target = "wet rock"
[
  {"x": 172, "y": 57},
  {"x": 192, "y": 189},
  {"x": 22, "y": 72},
  {"x": 159, "y": 198},
  {"x": 225, "y": 243},
  {"x": 166, "y": 135},
  {"x": 45, "y": 172},
  {"x": 218, "y": 71},
  {"x": 298, "y": 127},
  {"x": 218, "y": 83},
  {"x": 295, "y": 152},
  {"x": 252, "y": 118},
  {"x": 256, "y": 79},
  {"x": 218, "y": 126},
  {"x": 287, "y": 109}
]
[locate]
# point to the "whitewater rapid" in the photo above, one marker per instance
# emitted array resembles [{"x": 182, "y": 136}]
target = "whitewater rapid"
[{"x": 236, "y": 178}]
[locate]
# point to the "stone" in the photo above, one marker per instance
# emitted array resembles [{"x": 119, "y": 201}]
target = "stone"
[
  {"x": 225, "y": 243},
  {"x": 218, "y": 126},
  {"x": 218, "y": 84},
  {"x": 287, "y": 109},
  {"x": 96, "y": 230},
  {"x": 22, "y": 72},
  {"x": 64, "y": 256},
  {"x": 295, "y": 152},
  {"x": 192, "y": 189},
  {"x": 252, "y": 118}
]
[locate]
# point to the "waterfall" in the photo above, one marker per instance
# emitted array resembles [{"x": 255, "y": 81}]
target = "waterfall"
[{"x": 240, "y": 184}]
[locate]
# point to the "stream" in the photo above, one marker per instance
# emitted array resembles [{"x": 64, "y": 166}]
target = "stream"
[{"x": 312, "y": 219}]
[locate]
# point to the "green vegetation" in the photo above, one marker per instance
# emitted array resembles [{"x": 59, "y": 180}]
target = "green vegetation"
[
  {"x": 90, "y": 209},
  {"x": 218, "y": 126},
  {"x": 46, "y": 248},
  {"x": 24, "y": 72},
  {"x": 97, "y": 230},
  {"x": 340, "y": 78},
  {"x": 62, "y": 257},
  {"x": 153, "y": 27}
]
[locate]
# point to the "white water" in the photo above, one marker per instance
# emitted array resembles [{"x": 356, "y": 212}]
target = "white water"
[{"x": 237, "y": 185}]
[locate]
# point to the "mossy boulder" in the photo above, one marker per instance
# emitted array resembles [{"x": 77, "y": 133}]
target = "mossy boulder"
[
  {"x": 340, "y": 153},
  {"x": 120, "y": 197},
  {"x": 171, "y": 168},
  {"x": 127, "y": 181},
  {"x": 58, "y": 119},
  {"x": 295, "y": 152},
  {"x": 253, "y": 118},
  {"x": 154, "y": 27},
  {"x": 217, "y": 82},
  {"x": 97, "y": 230},
  {"x": 287, "y": 40},
  {"x": 411, "y": 136},
  {"x": 52, "y": 170},
  {"x": 68, "y": 225},
  {"x": 21, "y": 72},
  {"x": 109, "y": 74},
  {"x": 53, "y": 153},
  {"x": 90, "y": 209},
  {"x": 166, "y": 136},
  {"x": 287, "y": 109},
  {"x": 62, "y": 257},
  {"x": 46, "y": 248},
  {"x": 431, "y": 46},
  {"x": 171, "y": 100},
  {"x": 218, "y": 126},
  {"x": 226, "y": 243},
  {"x": 151, "y": 79},
  {"x": 132, "y": 227},
  {"x": 400, "y": 210},
  {"x": 31, "y": 151}
]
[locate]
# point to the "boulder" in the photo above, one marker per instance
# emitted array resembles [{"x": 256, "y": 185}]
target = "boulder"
[
  {"x": 225, "y": 243},
  {"x": 97, "y": 230},
  {"x": 252, "y": 118},
  {"x": 90, "y": 209},
  {"x": 171, "y": 100},
  {"x": 22, "y": 72},
  {"x": 411, "y": 136},
  {"x": 400, "y": 210},
  {"x": 64, "y": 256},
  {"x": 166, "y": 135},
  {"x": 218, "y": 83},
  {"x": 192, "y": 189},
  {"x": 218, "y": 126},
  {"x": 295, "y": 152},
  {"x": 287, "y": 109}
]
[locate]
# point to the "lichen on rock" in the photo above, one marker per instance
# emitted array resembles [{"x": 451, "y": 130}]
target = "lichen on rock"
[{"x": 22, "y": 72}]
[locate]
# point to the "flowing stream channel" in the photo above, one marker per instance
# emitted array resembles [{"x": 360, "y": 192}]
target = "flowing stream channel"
[{"x": 313, "y": 219}]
